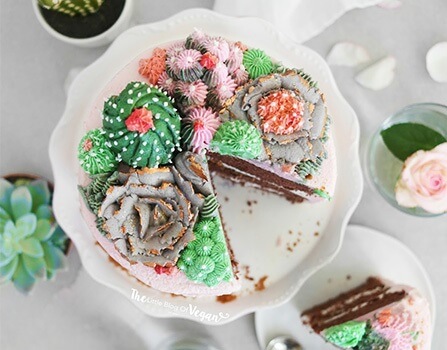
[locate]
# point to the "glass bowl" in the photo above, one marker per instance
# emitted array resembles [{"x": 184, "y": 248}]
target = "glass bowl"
[{"x": 383, "y": 167}]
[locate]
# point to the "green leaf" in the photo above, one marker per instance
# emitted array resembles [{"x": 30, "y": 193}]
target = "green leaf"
[
  {"x": 26, "y": 225},
  {"x": 6, "y": 189},
  {"x": 54, "y": 258},
  {"x": 43, "y": 230},
  {"x": 34, "y": 266},
  {"x": 7, "y": 271},
  {"x": 6, "y": 259},
  {"x": 406, "y": 138},
  {"x": 21, "y": 202},
  {"x": 45, "y": 212},
  {"x": 59, "y": 238},
  {"x": 32, "y": 247},
  {"x": 4, "y": 217},
  {"x": 22, "y": 279},
  {"x": 40, "y": 193}
]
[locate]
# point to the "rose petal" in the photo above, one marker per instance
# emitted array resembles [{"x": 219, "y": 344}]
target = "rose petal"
[
  {"x": 390, "y": 4},
  {"x": 436, "y": 62},
  {"x": 347, "y": 54},
  {"x": 379, "y": 75}
]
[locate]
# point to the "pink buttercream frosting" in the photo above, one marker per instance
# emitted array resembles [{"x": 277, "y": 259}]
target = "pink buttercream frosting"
[{"x": 205, "y": 123}]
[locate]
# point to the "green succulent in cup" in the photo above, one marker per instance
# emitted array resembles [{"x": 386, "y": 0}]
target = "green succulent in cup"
[
  {"x": 32, "y": 244},
  {"x": 72, "y": 7}
]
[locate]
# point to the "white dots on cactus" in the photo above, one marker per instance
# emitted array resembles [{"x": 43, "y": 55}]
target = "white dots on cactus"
[
  {"x": 110, "y": 103},
  {"x": 138, "y": 159},
  {"x": 145, "y": 143},
  {"x": 115, "y": 143},
  {"x": 177, "y": 132},
  {"x": 122, "y": 110},
  {"x": 111, "y": 134},
  {"x": 124, "y": 149},
  {"x": 130, "y": 101},
  {"x": 131, "y": 142},
  {"x": 114, "y": 106},
  {"x": 141, "y": 152},
  {"x": 172, "y": 149},
  {"x": 158, "y": 157},
  {"x": 155, "y": 99},
  {"x": 155, "y": 142},
  {"x": 148, "y": 90},
  {"x": 126, "y": 137},
  {"x": 165, "y": 104},
  {"x": 157, "y": 116},
  {"x": 168, "y": 142},
  {"x": 139, "y": 95},
  {"x": 157, "y": 150},
  {"x": 162, "y": 134},
  {"x": 136, "y": 85},
  {"x": 118, "y": 119},
  {"x": 130, "y": 92}
]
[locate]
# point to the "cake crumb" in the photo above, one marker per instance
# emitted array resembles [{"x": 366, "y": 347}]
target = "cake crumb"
[
  {"x": 289, "y": 248},
  {"x": 316, "y": 234},
  {"x": 247, "y": 273},
  {"x": 278, "y": 241},
  {"x": 290, "y": 232},
  {"x": 177, "y": 295},
  {"x": 348, "y": 277},
  {"x": 260, "y": 285},
  {"x": 226, "y": 298},
  {"x": 249, "y": 203},
  {"x": 226, "y": 199},
  {"x": 318, "y": 223}
]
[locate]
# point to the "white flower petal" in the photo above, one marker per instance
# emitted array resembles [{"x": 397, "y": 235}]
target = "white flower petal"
[
  {"x": 436, "y": 61},
  {"x": 379, "y": 75},
  {"x": 347, "y": 54},
  {"x": 390, "y": 4}
]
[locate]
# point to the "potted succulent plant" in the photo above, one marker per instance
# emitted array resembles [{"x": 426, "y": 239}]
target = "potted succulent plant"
[
  {"x": 87, "y": 23},
  {"x": 32, "y": 244}
]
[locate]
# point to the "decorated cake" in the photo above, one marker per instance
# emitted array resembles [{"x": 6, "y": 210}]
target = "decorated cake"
[
  {"x": 377, "y": 315},
  {"x": 173, "y": 119}
]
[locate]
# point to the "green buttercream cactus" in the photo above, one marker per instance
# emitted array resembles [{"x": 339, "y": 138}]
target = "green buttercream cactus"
[
  {"x": 346, "y": 335},
  {"x": 72, "y": 7},
  {"x": 206, "y": 259},
  {"x": 142, "y": 126},
  {"x": 237, "y": 138},
  {"x": 257, "y": 63},
  {"x": 95, "y": 157},
  {"x": 32, "y": 244}
]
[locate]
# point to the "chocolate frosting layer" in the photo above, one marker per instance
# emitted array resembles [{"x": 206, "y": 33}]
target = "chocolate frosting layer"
[{"x": 150, "y": 215}]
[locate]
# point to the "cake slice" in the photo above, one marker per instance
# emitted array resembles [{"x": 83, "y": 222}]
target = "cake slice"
[{"x": 376, "y": 315}]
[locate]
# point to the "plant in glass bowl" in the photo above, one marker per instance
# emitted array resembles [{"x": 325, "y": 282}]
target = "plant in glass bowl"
[
  {"x": 32, "y": 244},
  {"x": 87, "y": 23}
]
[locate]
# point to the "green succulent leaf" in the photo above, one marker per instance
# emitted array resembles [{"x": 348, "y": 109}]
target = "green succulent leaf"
[
  {"x": 54, "y": 258},
  {"x": 4, "y": 217},
  {"x": 34, "y": 266},
  {"x": 32, "y": 247},
  {"x": 21, "y": 202},
  {"x": 6, "y": 259},
  {"x": 40, "y": 193},
  {"x": 59, "y": 239},
  {"x": 21, "y": 278},
  {"x": 6, "y": 189},
  {"x": 7, "y": 271},
  {"x": 26, "y": 225},
  {"x": 45, "y": 212},
  {"x": 44, "y": 230}
]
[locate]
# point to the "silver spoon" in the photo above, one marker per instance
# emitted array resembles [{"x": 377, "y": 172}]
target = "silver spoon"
[{"x": 283, "y": 343}]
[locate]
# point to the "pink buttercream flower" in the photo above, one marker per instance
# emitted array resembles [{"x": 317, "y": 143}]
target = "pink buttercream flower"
[
  {"x": 225, "y": 89},
  {"x": 88, "y": 145},
  {"x": 204, "y": 123},
  {"x": 235, "y": 58},
  {"x": 240, "y": 76},
  {"x": 194, "y": 92},
  {"x": 166, "y": 83},
  {"x": 188, "y": 59},
  {"x": 397, "y": 328},
  {"x": 423, "y": 181},
  {"x": 140, "y": 120},
  {"x": 219, "y": 47},
  {"x": 175, "y": 49}
]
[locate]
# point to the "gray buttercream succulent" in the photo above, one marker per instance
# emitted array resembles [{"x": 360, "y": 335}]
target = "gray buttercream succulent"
[
  {"x": 306, "y": 144},
  {"x": 150, "y": 215}
]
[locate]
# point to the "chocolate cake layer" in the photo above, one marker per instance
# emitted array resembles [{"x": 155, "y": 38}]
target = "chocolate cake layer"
[
  {"x": 244, "y": 172},
  {"x": 369, "y": 296}
]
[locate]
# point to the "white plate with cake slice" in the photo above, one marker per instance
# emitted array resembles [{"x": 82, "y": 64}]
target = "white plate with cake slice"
[
  {"x": 365, "y": 252},
  {"x": 278, "y": 245}
]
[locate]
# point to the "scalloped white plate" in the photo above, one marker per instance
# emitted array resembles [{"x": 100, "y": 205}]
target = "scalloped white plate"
[
  {"x": 287, "y": 243},
  {"x": 358, "y": 258}
]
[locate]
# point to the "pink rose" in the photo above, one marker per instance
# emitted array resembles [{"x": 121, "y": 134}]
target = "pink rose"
[{"x": 423, "y": 181}]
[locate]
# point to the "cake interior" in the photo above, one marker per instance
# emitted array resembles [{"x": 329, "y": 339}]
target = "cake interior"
[{"x": 371, "y": 295}]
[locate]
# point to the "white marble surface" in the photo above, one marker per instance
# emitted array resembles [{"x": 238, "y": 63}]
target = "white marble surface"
[{"x": 74, "y": 312}]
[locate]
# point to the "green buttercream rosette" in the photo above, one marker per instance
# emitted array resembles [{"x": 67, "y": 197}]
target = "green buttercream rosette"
[
  {"x": 237, "y": 138},
  {"x": 150, "y": 142},
  {"x": 206, "y": 259},
  {"x": 346, "y": 335},
  {"x": 257, "y": 63},
  {"x": 95, "y": 157}
]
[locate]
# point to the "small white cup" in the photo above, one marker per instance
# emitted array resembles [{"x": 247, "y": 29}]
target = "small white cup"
[{"x": 102, "y": 39}]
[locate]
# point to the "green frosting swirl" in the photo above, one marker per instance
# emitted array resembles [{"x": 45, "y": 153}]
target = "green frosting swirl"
[
  {"x": 210, "y": 207},
  {"x": 206, "y": 259},
  {"x": 95, "y": 192},
  {"x": 346, "y": 335},
  {"x": 372, "y": 341},
  {"x": 94, "y": 155},
  {"x": 237, "y": 138},
  {"x": 148, "y": 149},
  {"x": 257, "y": 63}
]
